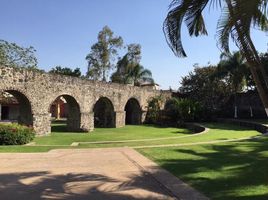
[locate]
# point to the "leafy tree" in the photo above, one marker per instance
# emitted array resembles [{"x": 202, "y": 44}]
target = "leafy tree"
[
  {"x": 235, "y": 71},
  {"x": 138, "y": 75},
  {"x": 202, "y": 86},
  {"x": 153, "y": 110},
  {"x": 66, "y": 71},
  {"x": 125, "y": 64},
  {"x": 237, "y": 18},
  {"x": 102, "y": 54},
  {"x": 172, "y": 109},
  {"x": 13, "y": 55}
]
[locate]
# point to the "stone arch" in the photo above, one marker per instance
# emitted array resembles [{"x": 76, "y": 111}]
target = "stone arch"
[
  {"x": 24, "y": 110},
  {"x": 133, "y": 112},
  {"x": 72, "y": 111},
  {"x": 104, "y": 114}
]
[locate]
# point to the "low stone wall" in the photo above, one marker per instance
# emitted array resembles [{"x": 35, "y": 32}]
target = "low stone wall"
[{"x": 249, "y": 124}]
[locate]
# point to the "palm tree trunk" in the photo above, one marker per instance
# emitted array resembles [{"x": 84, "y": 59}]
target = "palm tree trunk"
[{"x": 255, "y": 64}]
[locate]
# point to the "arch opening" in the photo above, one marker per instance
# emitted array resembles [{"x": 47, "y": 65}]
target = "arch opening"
[
  {"x": 104, "y": 115},
  {"x": 15, "y": 107},
  {"x": 65, "y": 114},
  {"x": 133, "y": 112}
]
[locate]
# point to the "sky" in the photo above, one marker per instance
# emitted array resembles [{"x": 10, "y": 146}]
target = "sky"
[{"x": 62, "y": 32}]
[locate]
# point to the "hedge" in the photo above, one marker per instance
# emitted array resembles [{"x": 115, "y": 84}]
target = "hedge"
[{"x": 15, "y": 134}]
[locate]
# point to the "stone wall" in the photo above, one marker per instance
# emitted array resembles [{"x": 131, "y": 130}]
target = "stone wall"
[{"x": 41, "y": 89}]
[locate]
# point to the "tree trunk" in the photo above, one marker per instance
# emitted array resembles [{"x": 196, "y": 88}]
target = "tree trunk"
[{"x": 255, "y": 64}]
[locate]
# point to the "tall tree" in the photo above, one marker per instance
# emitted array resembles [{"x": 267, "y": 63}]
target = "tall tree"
[
  {"x": 203, "y": 86},
  {"x": 126, "y": 64},
  {"x": 238, "y": 16},
  {"x": 13, "y": 55},
  {"x": 66, "y": 71},
  {"x": 234, "y": 70},
  {"x": 139, "y": 75},
  {"x": 100, "y": 59}
]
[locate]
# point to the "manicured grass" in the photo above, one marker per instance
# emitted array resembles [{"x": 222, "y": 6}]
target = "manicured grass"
[
  {"x": 57, "y": 139},
  {"x": 236, "y": 170},
  {"x": 110, "y": 134},
  {"x": 218, "y": 132},
  {"x": 30, "y": 149},
  {"x": 233, "y": 170}
]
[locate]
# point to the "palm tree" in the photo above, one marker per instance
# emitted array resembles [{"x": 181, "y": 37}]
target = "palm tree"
[
  {"x": 237, "y": 18},
  {"x": 139, "y": 75},
  {"x": 233, "y": 67}
]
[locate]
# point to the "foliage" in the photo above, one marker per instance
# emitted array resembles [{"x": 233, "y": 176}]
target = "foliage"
[
  {"x": 202, "y": 86},
  {"x": 129, "y": 70},
  {"x": 234, "y": 70},
  {"x": 126, "y": 63},
  {"x": 236, "y": 20},
  {"x": 102, "y": 54},
  {"x": 154, "y": 110},
  {"x": 182, "y": 110},
  {"x": 66, "y": 71},
  {"x": 15, "y": 56},
  {"x": 138, "y": 75},
  {"x": 14, "y": 134}
]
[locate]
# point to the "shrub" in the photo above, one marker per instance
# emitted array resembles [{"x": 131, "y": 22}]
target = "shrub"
[
  {"x": 154, "y": 108},
  {"x": 182, "y": 110},
  {"x": 15, "y": 134}
]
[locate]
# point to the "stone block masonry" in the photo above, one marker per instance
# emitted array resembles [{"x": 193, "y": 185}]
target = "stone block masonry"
[{"x": 36, "y": 91}]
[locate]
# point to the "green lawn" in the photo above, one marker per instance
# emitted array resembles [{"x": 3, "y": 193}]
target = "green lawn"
[
  {"x": 57, "y": 138},
  {"x": 217, "y": 132},
  {"x": 233, "y": 170},
  {"x": 128, "y": 132},
  {"x": 236, "y": 170}
]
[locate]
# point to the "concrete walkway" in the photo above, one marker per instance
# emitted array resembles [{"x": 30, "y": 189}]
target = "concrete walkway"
[{"x": 95, "y": 174}]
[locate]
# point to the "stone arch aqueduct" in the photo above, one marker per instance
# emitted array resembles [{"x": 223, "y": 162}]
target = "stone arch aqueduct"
[{"x": 36, "y": 91}]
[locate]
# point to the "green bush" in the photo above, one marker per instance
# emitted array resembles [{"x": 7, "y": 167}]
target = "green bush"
[
  {"x": 154, "y": 108},
  {"x": 15, "y": 134},
  {"x": 182, "y": 110}
]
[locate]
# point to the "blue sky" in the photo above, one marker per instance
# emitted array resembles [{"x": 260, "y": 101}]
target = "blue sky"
[{"x": 62, "y": 32}]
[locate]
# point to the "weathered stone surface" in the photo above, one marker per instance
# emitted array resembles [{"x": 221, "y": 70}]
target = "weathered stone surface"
[{"x": 36, "y": 92}]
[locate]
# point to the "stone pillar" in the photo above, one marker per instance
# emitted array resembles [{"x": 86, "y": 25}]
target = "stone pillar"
[
  {"x": 42, "y": 124},
  {"x": 143, "y": 115},
  {"x": 87, "y": 121},
  {"x": 120, "y": 117},
  {"x": 0, "y": 112}
]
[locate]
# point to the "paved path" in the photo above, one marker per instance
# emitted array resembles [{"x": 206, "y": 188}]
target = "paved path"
[{"x": 95, "y": 174}]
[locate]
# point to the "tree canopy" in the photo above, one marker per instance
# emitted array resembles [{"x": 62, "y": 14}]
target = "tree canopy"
[
  {"x": 14, "y": 55},
  {"x": 237, "y": 19},
  {"x": 102, "y": 54},
  {"x": 66, "y": 71},
  {"x": 129, "y": 70}
]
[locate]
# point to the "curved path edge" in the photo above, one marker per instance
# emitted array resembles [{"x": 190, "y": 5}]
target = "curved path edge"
[
  {"x": 178, "y": 188},
  {"x": 195, "y": 127}
]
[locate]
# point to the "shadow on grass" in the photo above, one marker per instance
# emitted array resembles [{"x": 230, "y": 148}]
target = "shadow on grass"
[
  {"x": 234, "y": 171},
  {"x": 59, "y": 127},
  {"x": 78, "y": 186},
  {"x": 226, "y": 126}
]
